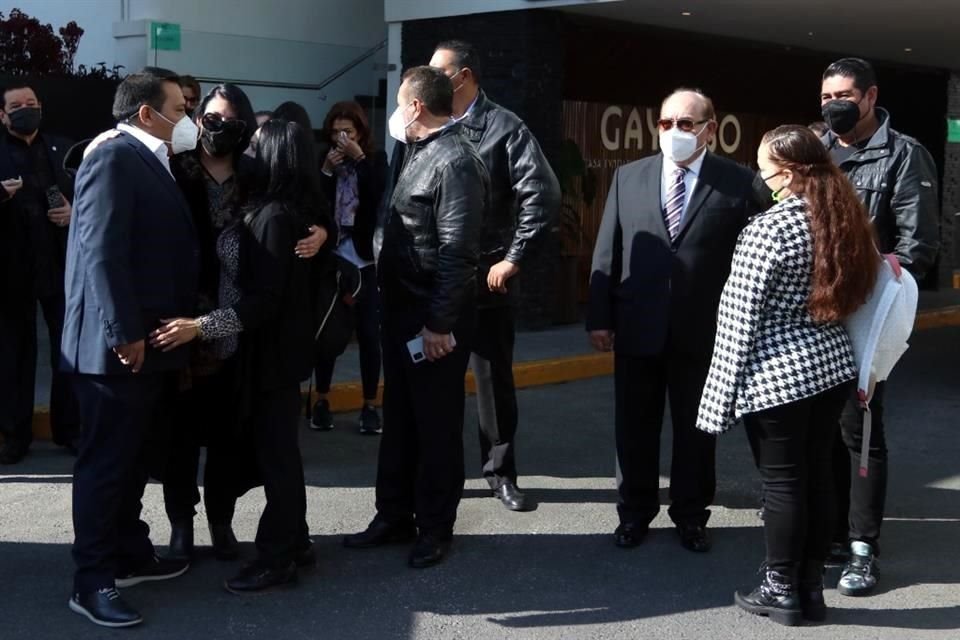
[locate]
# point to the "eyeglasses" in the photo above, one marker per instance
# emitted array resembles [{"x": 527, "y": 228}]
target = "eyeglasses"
[
  {"x": 684, "y": 124},
  {"x": 215, "y": 122}
]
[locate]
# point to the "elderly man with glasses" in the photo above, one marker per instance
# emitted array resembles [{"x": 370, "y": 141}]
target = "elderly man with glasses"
[{"x": 662, "y": 256}]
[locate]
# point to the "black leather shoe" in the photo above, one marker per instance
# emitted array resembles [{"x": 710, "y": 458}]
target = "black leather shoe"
[
  {"x": 775, "y": 598},
  {"x": 256, "y": 577},
  {"x": 511, "y": 497},
  {"x": 225, "y": 545},
  {"x": 13, "y": 452},
  {"x": 181, "y": 540},
  {"x": 629, "y": 535},
  {"x": 694, "y": 537},
  {"x": 154, "y": 570},
  {"x": 429, "y": 550},
  {"x": 105, "y": 608},
  {"x": 380, "y": 533}
]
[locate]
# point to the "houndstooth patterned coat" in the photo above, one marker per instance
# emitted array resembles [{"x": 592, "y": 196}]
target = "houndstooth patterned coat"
[{"x": 769, "y": 351}]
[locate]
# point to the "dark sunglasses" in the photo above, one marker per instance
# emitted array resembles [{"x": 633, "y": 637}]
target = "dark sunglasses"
[
  {"x": 215, "y": 122},
  {"x": 684, "y": 124}
]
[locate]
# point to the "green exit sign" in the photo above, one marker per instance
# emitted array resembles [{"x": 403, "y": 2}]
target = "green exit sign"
[
  {"x": 953, "y": 130},
  {"x": 165, "y": 36}
]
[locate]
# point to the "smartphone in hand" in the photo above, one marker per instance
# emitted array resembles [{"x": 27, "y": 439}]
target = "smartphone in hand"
[{"x": 54, "y": 198}]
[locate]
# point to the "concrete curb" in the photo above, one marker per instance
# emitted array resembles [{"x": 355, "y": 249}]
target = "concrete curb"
[{"x": 348, "y": 396}]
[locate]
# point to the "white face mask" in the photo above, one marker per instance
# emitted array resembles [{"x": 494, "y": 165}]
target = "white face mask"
[
  {"x": 398, "y": 125},
  {"x": 185, "y": 134},
  {"x": 678, "y": 145}
]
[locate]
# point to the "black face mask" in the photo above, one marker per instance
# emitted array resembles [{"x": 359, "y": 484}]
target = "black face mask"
[
  {"x": 220, "y": 143},
  {"x": 841, "y": 115},
  {"x": 25, "y": 120}
]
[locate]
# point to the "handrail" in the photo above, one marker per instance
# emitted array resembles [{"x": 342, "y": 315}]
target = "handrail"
[{"x": 304, "y": 86}]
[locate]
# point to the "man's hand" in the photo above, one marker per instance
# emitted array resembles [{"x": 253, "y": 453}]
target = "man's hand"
[
  {"x": 132, "y": 354},
  {"x": 309, "y": 246},
  {"x": 61, "y": 215},
  {"x": 11, "y": 186},
  {"x": 499, "y": 274},
  {"x": 602, "y": 340},
  {"x": 436, "y": 345},
  {"x": 174, "y": 333}
]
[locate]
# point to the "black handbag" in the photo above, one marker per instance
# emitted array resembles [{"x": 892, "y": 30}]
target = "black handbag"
[{"x": 337, "y": 290}]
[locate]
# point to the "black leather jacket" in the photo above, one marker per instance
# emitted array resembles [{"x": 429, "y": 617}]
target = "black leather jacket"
[
  {"x": 896, "y": 178},
  {"x": 426, "y": 238},
  {"x": 524, "y": 192}
]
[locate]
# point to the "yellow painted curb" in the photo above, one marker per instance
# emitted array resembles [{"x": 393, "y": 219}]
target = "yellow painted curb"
[{"x": 348, "y": 396}]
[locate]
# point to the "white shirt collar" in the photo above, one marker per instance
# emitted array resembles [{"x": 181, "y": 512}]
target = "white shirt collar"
[
  {"x": 669, "y": 166},
  {"x": 156, "y": 146}
]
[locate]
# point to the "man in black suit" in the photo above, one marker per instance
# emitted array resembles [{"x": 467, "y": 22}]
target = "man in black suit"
[
  {"x": 34, "y": 217},
  {"x": 132, "y": 261},
  {"x": 662, "y": 256}
]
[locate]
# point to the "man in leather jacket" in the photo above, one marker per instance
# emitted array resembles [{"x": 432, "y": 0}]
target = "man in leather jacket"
[
  {"x": 425, "y": 246},
  {"x": 897, "y": 180},
  {"x": 524, "y": 199}
]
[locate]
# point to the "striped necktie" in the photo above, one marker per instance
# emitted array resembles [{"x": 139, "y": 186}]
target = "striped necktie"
[{"x": 673, "y": 210}]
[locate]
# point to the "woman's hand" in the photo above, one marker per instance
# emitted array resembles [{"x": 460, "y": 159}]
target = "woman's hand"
[
  {"x": 174, "y": 333},
  {"x": 310, "y": 246},
  {"x": 334, "y": 157},
  {"x": 350, "y": 149}
]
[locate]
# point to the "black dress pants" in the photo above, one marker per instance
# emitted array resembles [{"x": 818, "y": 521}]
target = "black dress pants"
[
  {"x": 18, "y": 372},
  {"x": 641, "y": 386},
  {"x": 110, "y": 475},
  {"x": 420, "y": 470},
  {"x": 202, "y": 415},
  {"x": 792, "y": 446},
  {"x": 275, "y": 427},
  {"x": 492, "y": 365},
  {"x": 861, "y": 501}
]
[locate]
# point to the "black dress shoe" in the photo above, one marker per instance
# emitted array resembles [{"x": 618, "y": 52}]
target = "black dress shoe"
[
  {"x": 256, "y": 577},
  {"x": 511, "y": 497},
  {"x": 694, "y": 537},
  {"x": 181, "y": 540},
  {"x": 225, "y": 545},
  {"x": 105, "y": 608},
  {"x": 380, "y": 533},
  {"x": 429, "y": 550},
  {"x": 154, "y": 570},
  {"x": 629, "y": 534},
  {"x": 13, "y": 452}
]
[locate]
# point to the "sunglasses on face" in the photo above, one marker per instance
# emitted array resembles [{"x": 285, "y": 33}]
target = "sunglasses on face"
[
  {"x": 215, "y": 122},
  {"x": 684, "y": 124}
]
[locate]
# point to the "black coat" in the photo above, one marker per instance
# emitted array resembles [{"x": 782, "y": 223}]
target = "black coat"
[
  {"x": 371, "y": 179},
  {"x": 656, "y": 295},
  {"x": 32, "y": 249},
  {"x": 429, "y": 227}
]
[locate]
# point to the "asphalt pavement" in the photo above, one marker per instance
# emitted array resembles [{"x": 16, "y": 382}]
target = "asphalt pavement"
[{"x": 553, "y": 573}]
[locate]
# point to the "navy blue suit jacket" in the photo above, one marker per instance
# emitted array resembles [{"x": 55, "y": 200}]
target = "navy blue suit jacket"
[
  {"x": 132, "y": 259},
  {"x": 660, "y": 295}
]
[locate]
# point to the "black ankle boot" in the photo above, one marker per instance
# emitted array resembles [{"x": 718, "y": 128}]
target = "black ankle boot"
[
  {"x": 181, "y": 540},
  {"x": 811, "y": 593},
  {"x": 225, "y": 545},
  {"x": 775, "y": 598}
]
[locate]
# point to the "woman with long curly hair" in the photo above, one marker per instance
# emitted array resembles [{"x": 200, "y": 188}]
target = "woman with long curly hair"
[{"x": 783, "y": 361}]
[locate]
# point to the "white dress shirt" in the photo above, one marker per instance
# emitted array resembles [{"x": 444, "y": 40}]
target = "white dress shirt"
[
  {"x": 156, "y": 146},
  {"x": 689, "y": 181}
]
